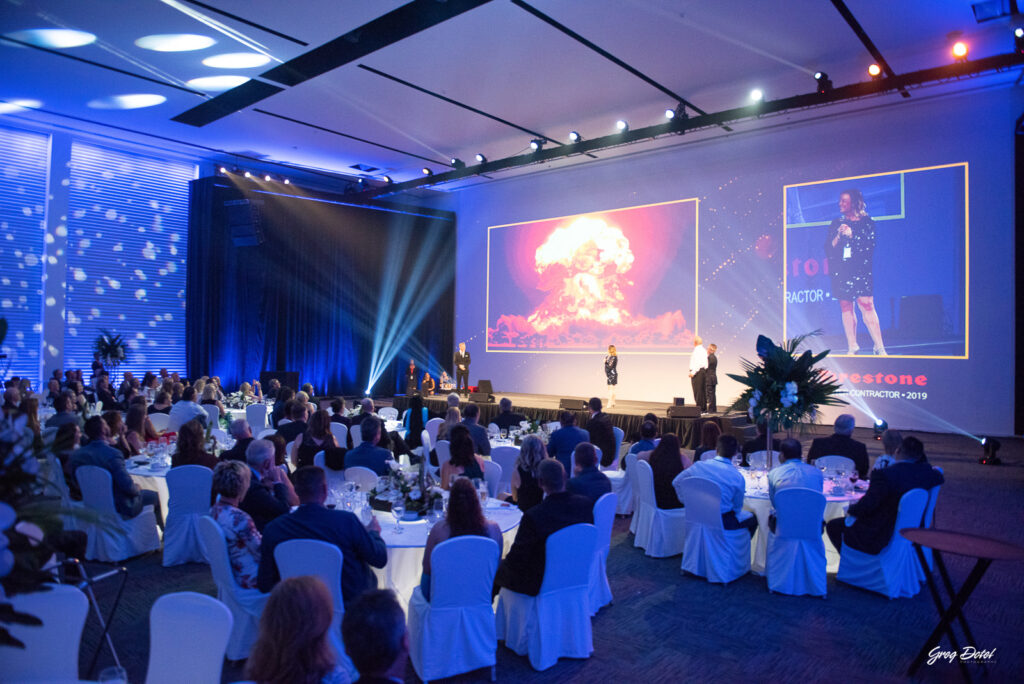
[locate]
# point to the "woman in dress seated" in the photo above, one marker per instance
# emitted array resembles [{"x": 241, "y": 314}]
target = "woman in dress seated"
[
  {"x": 667, "y": 460},
  {"x": 464, "y": 517},
  {"x": 161, "y": 404},
  {"x": 231, "y": 482},
  {"x": 118, "y": 433},
  {"x": 451, "y": 419},
  {"x": 709, "y": 434},
  {"x": 318, "y": 437},
  {"x": 191, "y": 451},
  {"x": 252, "y": 393},
  {"x": 464, "y": 461},
  {"x": 210, "y": 398},
  {"x": 415, "y": 420},
  {"x": 526, "y": 491},
  {"x": 138, "y": 428}
]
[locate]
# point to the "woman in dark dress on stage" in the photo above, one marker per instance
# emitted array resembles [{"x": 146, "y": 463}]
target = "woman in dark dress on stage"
[
  {"x": 850, "y": 248},
  {"x": 711, "y": 379},
  {"x": 611, "y": 373}
]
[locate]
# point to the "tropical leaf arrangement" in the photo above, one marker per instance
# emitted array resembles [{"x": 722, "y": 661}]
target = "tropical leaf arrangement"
[
  {"x": 783, "y": 387},
  {"x": 111, "y": 349}
]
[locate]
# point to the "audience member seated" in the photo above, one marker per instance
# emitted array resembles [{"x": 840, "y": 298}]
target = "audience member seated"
[
  {"x": 307, "y": 389},
  {"x": 721, "y": 471},
  {"x": 270, "y": 492},
  {"x": 588, "y": 481},
  {"x": 104, "y": 393},
  {"x": 361, "y": 547},
  {"x": 599, "y": 427},
  {"x": 293, "y": 644},
  {"x": 317, "y": 437},
  {"x": 522, "y": 571},
  {"x": 66, "y": 413},
  {"x": 12, "y": 399},
  {"x": 470, "y": 418},
  {"x": 841, "y": 443},
  {"x": 150, "y": 386},
  {"x": 129, "y": 500},
  {"x": 242, "y": 434},
  {"x": 868, "y": 525},
  {"x": 506, "y": 419},
  {"x": 338, "y": 407},
  {"x": 366, "y": 408},
  {"x": 284, "y": 395},
  {"x": 177, "y": 392},
  {"x": 415, "y": 421},
  {"x": 452, "y": 418},
  {"x": 65, "y": 442},
  {"x": 526, "y": 491},
  {"x": 667, "y": 461},
  {"x": 130, "y": 393},
  {"x": 564, "y": 440},
  {"x": 464, "y": 516},
  {"x": 891, "y": 440},
  {"x": 759, "y": 443},
  {"x": 161, "y": 404},
  {"x": 464, "y": 461},
  {"x": 210, "y": 399},
  {"x": 118, "y": 433},
  {"x": 230, "y": 483},
  {"x": 428, "y": 385},
  {"x": 709, "y": 434},
  {"x": 191, "y": 447},
  {"x": 648, "y": 432},
  {"x": 368, "y": 454},
  {"x": 53, "y": 391},
  {"x": 453, "y": 399},
  {"x": 280, "y": 451},
  {"x": 792, "y": 471},
  {"x": 297, "y": 414},
  {"x": 185, "y": 410},
  {"x": 376, "y": 638},
  {"x": 251, "y": 393},
  {"x": 138, "y": 428}
]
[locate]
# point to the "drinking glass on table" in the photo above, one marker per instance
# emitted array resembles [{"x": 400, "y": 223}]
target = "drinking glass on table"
[
  {"x": 398, "y": 510},
  {"x": 113, "y": 675},
  {"x": 435, "y": 512},
  {"x": 481, "y": 489},
  {"x": 504, "y": 434}
]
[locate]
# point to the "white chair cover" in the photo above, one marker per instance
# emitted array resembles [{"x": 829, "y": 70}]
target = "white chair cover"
[
  {"x": 895, "y": 571},
  {"x": 256, "y": 416},
  {"x": 388, "y": 413},
  {"x": 212, "y": 415},
  {"x": 619, "y": 436},
  {"x": 246, "y": 605},
  {"x": 600, "y": 591},
  {"x": 597, "y": 449},
  {"x": 188, "y": 634},
  {"x": 493, "y": 476},
  {"x": 312, "y": 557},
  {"x": 113, "y": 539},
  {"x": 506, "y": 457},
  {"x": 623, "y": 489},
  {"x": 928, "y": 521},
  {"x": 796, "y": 551},
  {"x": 455, "y": 631},
  {"x": 631, "y": 460},
  {"x": 444, "y": 453},
  {"x": 159, "y": 421},
  {"x": 493, "y": 430},
  {"x": 427, "y": 443},
  {"x": 556, "y": 622},
  {"x": 266, "y": 432},
  {"x": 335, "y": 478},
  {"x": 835, "y": 463},
  {"x": 51, "y": 650},
  {"x": 220, "y": 435},
  {"x": 364, "y": 478},
  {"x": 756, "y": 459},
  {"x": 356, "y": 433},
  {"x": 57, "y": 481},
  {"x": 711, "y": 551},
  {"x": 433, "y": 425},
  {"x": 189, "y": 489},
  {"x": 659, "y": 532}
]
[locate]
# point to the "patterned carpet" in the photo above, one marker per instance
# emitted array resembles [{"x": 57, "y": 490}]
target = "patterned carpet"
[{"x": 664, "y": 627}]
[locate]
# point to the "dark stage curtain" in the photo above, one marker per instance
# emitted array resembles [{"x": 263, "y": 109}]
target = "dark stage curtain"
[{"x": 307, "y": 298}]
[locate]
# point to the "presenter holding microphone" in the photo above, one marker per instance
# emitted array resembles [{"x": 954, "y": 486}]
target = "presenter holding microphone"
[
  {"x": 461, "y": 362},
  {"x": 611, "y": 373}
]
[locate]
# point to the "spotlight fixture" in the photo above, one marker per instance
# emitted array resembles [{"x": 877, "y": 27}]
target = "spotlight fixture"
[
  {"x": 287, "y": 182},
  {"x": 991, "y": 446},
  {"x": 880, "y": 427},
  {"x": 248, "y": 175},
  {"x": 427, "y": 172},
  {"x": 458, "y": 163},
  {"x": 267, "y": 178},
  {"x": 622, "y": 125},
  {"x": 756, "y": 95},
  {"x": 960, "y": 51},
  {"x": 536, "y": 144},
  {"x": 389, "y": 180},
  {"x": 223, "y": 170},
  {"x": 481, "y": 158},
  {"x": 874, "y": 71},
  {"x": 575, "y": 137},
  {"x": 824, "y": 82}
]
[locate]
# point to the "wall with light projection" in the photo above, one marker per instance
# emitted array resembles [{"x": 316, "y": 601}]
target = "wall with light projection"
[{"x": 731, "y": 238}]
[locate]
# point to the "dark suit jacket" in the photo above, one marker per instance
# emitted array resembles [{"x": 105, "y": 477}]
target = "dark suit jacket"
[
  {"x": 360, "y": 548},
  {"x": 522, "y": 570},
  {"x": 508, "y": 420},
  {"x": 876, "y": 512},
  {"x": 277, "y": 413},
  {"x": 562, "y": 443},
  {"x": 480, "y": 438},
  {"x": 292, "y": 430},
  {"x": 841, "y": 445},
  {"x": 711, "y": 375},
  {"x": 368, "y": 456},
  {"x": 760, "y": 443},
  {"x": 262, "y": 504},
  {"x": 591, "y": 483},
  {"x": 127, "y": 499},
  {"x": 237, "y": 452},
  {"x": 338, "y": 418},
  {"x": 600, "y": 429}
]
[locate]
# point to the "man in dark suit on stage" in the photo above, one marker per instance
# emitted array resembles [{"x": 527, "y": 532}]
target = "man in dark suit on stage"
[
  {"x": 711, "y": 380},
  {"x": 842, "y": 444},
  {"x": 869, "y": 523},
  {"x": 588, "y": 480},
  {"x": 461, "y": 362},
  {"x": 410, "y": 378},
  {"x": 601, "y": 434},
  {"x": 522, "y": 571},
  {"x": 564, "y": 440}
]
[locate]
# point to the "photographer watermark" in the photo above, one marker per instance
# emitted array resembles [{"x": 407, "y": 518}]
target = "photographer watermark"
[{"x": 968, "y": 654}]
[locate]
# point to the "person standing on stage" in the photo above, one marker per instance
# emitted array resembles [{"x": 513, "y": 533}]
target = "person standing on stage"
[
  {"x": 461, "y": 362},
  {"x": 711, "y": 380},
  {"x": 698, "y": 364},
  {"x": 611, "y": 373},
  {"x": 410, "y": 379}
]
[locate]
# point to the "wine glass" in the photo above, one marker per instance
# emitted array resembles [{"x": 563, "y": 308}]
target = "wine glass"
[
  {"x": 398, "y": 510},
  {"x": 481, "y": 489},
  {"x": 434, "y": 513}
]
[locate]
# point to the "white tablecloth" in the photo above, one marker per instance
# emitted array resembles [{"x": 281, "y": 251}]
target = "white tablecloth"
[
  {"x": 147, "y": 478},
  {"x": 239, "y": 414}
]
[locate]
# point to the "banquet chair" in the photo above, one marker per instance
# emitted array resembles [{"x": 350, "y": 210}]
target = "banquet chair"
[
  {"x": 364, "y": 478},
  {"x": 659, "y": 532},
  {"x": 619, "y": 436},
  {"x": 188, "y": 634},
  {"x": 455, "y": 631},
  {"x": 51, "y": 649},
  {"x": 929, "y": 521},
  {"x": 493, "y": 477},
  {"x": 622, "y": 488},
  {"x": 212, "y": 415},
  {"x": 335, "y": 478},
  {"x": 220, "y": 435},
  {"x": 556, "y": 622},
  {"x": 113, "y": 539},
  {"x": 835, "y": 463},
  {"x": 631, "y": 460},
  {"x": 756, "y": 459},
  {"x": 256, "y": 416},
  {"x": 600, "y": 592},
  {"x": 423, "y": 450},
  {"x": 493, "y": 430},
  {"x": 388, "y": 413},
  {"x": 318, "y": 558},
  {"x": 796, "y": 552},
  {"x": 189, "y": 489},
  {"x": 159, "y": 421},
  {"x": 59, "y": 487},
  {"x": 710, "y": 454},
  {"x": 710, "y": 550},
  {"x": 265, "y": 433},
  {"x": 356, "y": 434},
  {"x": 894, "y": 571},
  {"x": 444, "y": 453},
  {"x": 283, "y": 421},
  {"x": 246, "y": 605},
  {"x": 433, "y": 425},
  {"x": 505, "y": 456},
  {"x": 340, "y": 432}
]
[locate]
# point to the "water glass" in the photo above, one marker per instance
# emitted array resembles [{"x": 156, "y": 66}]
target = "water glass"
[
  {"x": 481, "y": 489},
  {"x": 398, "y": 510},
  {"x": 113, "y": 675},
  {"x": 504, "y": 433}
]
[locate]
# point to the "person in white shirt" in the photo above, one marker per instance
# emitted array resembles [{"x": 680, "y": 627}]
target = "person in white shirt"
[
  {"x": 698, "y": 368},
  {"x": 792, "y": 471},
  {"x": 185, "y": 410},
  {"x": 721, "y": 471}
]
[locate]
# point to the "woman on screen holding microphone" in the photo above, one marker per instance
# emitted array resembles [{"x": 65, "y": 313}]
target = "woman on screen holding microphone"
[
  {"x": 850, "y": 248},
  {"x": 611, "y": 373}
]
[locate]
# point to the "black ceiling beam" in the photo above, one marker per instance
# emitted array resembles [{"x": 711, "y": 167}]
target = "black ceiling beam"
[
  {"x": 876, "y": 54},
  {"x": 679, "y": 125},
  {"x": 233, "y": 100},
  {"x": 607, "y": 55}
]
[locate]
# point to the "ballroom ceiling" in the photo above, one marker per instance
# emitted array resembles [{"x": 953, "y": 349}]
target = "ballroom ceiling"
[{"x": 391, "y": 86}]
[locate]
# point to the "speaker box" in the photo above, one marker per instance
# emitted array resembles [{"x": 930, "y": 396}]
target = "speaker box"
[
  {"x": 484, "y": 386},
  {"x": 678, "y": 401},
  {"x": 684, "y": 412},
  {"x": 245, "y": 221},
  {"x": 286, "y": 378},
  {"x": 572, "y": 404},
  {"x": 481, "y": 397}
]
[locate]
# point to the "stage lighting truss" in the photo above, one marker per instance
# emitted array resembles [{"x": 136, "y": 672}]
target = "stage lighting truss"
[
  {"x": 536, "y": 144},
  {"x": 824, "y": 83}
]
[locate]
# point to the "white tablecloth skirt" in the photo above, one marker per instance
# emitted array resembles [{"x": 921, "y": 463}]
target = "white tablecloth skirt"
[{"x": 761, "y": 507}]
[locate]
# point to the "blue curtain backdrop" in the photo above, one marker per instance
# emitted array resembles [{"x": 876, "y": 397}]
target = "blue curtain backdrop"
[{"x": 307, "y": 299}]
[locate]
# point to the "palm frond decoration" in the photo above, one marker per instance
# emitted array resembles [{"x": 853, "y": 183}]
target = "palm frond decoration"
[{"x": 111, "y": 348}]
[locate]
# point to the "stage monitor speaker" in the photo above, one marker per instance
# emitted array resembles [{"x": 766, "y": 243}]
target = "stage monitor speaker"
[
  {"x": 286, "y": 378},
  {"x": 572, "y": 404},
  {"x": 678, "y": 401},
  {"x": 481, "y": 397},
  {"x": 484, "y": 386},
  {"x": 684, "y": 412},
  {"x": 245, "y": 221}
]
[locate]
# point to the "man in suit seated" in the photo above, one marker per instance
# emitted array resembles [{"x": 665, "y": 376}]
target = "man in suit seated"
[
  {"x": 270, "y": 493},
  {"x": 64, "y": 405},
  {"x": 297, "y": 414},
  {"x": 759, "y": 443},
  {"x": 869, "y": 523},
  {"x": 376, "y": 638},
  {"x": 338, "y": 415},
  {"x": 242, "y": 434},
  {"x": 471, "y": 418},
  {"x": 368, "y": 454},
  {"x": 842, "y": 444},
  {"x": 360, "y": 546},
  {"x": 184, "y": 410},
  {"x": 506, "y": 419},
  {"x": 522, "y": 571},
  {"x": 588, "y": 481},
  {"x": 563, "y": 441},
  {"x": 648, "y": 433},
  {"x": 599, "y": 427},
  {"x": 792, "y": 471},
  {"x": 729, "y": 480}
]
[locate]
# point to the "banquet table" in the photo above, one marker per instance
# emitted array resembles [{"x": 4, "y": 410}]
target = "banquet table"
[
  {"x": 239, "y": 414},
  {"x": 148, "y": 477},
  {"x": 756, "y": 501}
]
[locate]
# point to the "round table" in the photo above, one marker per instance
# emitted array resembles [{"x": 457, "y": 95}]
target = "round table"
[{"x": 150, "y": 478}]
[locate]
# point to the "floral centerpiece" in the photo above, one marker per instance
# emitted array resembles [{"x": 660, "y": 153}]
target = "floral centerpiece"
[
  {"x": 111, "y": 349},
  {"x": 531, "y": 427},
  {"x": 784, "y": 388},
  {"x": 239, "y": 400},
  {"x": 416, "y": 489}
]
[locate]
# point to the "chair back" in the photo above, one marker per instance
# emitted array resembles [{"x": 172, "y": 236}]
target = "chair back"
[
  {"x": 215, "y": 544},
  {"x": 835, "y": 463},
  {"x": 220, "y": 435},
  {"x": 97, "y": 488},
  {"x": 493, "y": 477},
  {"x": 644, "y": 483},
  {"x": 212, "y": 415},
  {"x": 493, "y": 430},
  {"x": 710, "y": 454},
  {"x": 283, "y": 421},
  {"x": 799, "y": 512},
  {"x": 256, "y": 416},
  {"x": 159, "y": 421},
  {"x": 51, "y": 650},
  {"x": 604, "y": 518},
  {"x": 189, "y": 488},
  {"x": 911, "y": 512},
  {"x": 703, "y": 501},
  {"x": 425, "y": 442},
  {"x": 312, "y": 557},
  {"x": 388, "y": 413},
  {"x": 568, "y": 555},
  {"x": 57, "y": 481},
  {"x": 929, "y": 511},
  {"x": 188, "y": 635},
  {"x": 619, "y": 436},
  {"x": 265, "y": 432},
  {"x": 364, "y": 478},
  {"x": 506, "y": 456},
  {"x": 340, "y": 432},
  {"x": 356, "y": 433},
  {"x": 756, "y": 459},
  {"x": 462, "y": 572},
  {"x": 432, "y": 426},
  {"x": 444, "y": 452}
]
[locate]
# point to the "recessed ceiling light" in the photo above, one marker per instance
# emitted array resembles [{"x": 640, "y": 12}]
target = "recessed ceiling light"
[
  {"x": 175, "y": 42},
  {"x": 211, "y": 83},
  {"x": 54, "y": 38},
  {"x": 237, "y": 60},
  {"x": 756, "y": 95},
  {"x": 19, "y": 105},
  {"x": 136, "y": 101}
]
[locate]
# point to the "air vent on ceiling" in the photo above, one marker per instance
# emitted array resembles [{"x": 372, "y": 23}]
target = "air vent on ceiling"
[{"x": 365, "y": 168}]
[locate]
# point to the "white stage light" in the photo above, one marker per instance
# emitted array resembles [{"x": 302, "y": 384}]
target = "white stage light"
[
  {"x": 54, "y": 38},
  {"x": 175, "y": 42},
  {"x": 215, "y": 83},
  {"x": 134, "y": 101},
  {"x": 236, "y": 60}
]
